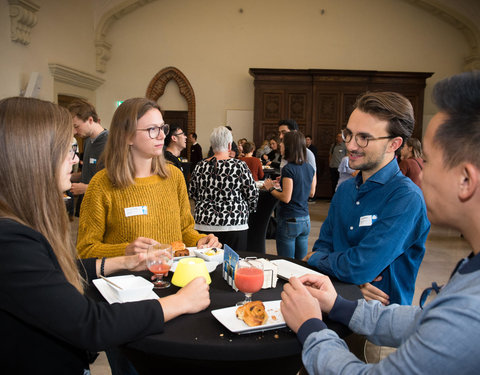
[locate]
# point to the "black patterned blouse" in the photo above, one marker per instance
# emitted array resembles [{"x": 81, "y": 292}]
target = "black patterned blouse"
[{"x": 224, "y": 194}]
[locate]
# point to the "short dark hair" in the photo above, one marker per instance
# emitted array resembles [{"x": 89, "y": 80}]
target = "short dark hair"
[
  {"x": 83, "y": 110},
  {"x": 295, "y": 147},
  {"x": 392, "y": 107},
  {"x": 292, "y": 124},
  {"x": 308, "y": 136},
  {"x": 248, "y": 147},
  {"x": 173, "y": 130},
  {"x": 194, "y": 135},
  {"x": 459, "y": 136}
]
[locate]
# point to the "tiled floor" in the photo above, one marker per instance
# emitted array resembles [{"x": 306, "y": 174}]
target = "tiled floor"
[{"x": 444, "y": 248}]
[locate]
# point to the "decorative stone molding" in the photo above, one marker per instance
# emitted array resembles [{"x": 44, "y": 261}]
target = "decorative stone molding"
[
  {"x": 103, "y": 52},
  {"x": 470, "y": 31},
  {"x": 22, "y": 20},
  {"x": 75, "y": 77},
  {"x": 103, "y": 48},
  {"x": 156, "y": 89}
]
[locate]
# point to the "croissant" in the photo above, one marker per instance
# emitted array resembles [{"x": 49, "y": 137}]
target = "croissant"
[
  {"x": 253, "y": 313},
  {"x": 179, "y": 249}
]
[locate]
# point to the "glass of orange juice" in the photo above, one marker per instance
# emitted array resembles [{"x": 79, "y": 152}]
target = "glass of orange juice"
[
  {"x": 248, "y": 279},
  {"x": 159, "y": 261}
]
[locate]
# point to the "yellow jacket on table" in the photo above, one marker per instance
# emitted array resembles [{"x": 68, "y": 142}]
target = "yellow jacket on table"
[{"x": 153, "y": 207}]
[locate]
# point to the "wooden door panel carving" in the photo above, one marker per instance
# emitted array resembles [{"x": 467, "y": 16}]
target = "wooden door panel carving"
[{"x": 321, "y": 101}]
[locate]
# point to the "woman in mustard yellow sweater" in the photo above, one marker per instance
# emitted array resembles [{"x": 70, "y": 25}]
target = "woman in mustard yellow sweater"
[{"x": 138, "y": 198}]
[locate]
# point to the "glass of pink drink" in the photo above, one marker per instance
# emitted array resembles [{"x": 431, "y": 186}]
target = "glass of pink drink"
[
  {"x": 248, "y": 279},
  {"x": 159, "y": 261}
]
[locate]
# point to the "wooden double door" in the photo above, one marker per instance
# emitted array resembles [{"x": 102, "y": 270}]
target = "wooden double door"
[{"x": 321, "y": 102}]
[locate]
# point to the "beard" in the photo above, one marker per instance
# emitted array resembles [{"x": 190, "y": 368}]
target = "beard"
[{"x": 370, "y": 162}]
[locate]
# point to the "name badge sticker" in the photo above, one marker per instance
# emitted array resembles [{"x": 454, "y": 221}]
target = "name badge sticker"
[
  {"x": 135, "y": 211},
  {"x": 367, "y": 220},
  {"x": 93, "y": 161}
]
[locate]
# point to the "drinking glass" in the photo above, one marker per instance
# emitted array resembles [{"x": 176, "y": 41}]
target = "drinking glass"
[
  {"x": 159, "y": 261},
  {"x": 248, "y": 279}
]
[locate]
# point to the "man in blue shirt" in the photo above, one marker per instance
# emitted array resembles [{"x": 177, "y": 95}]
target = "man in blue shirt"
[
  {"x": 375, "y": 232},
  {"x": 440, "y": 337}
]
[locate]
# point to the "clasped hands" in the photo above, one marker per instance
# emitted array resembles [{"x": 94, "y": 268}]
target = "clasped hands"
[{"x": 305, "y": 298}]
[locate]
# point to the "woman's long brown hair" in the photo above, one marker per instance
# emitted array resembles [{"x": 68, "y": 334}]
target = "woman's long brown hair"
[
  {"x": 35, "y": 137},
  {"x": 117, "y": 155}
]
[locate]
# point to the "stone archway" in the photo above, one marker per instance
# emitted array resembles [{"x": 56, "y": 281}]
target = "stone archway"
[{"x": 156, "y": 89}]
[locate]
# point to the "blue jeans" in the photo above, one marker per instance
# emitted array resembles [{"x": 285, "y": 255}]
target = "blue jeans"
[{"x": 292, "y": 236}]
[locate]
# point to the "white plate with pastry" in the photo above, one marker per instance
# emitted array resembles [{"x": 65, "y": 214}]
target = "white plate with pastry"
[{"x": 228, "y": 318}]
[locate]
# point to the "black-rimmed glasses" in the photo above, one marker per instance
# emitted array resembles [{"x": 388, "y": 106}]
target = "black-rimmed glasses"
[
  {"x": 154, "y": 131},
  {"x": 361, "y": 139}
]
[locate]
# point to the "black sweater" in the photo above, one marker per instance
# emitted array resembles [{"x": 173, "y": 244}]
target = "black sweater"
[{"x": 46, "y": 325}]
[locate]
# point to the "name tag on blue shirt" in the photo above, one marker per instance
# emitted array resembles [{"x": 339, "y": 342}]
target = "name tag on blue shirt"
[
  {"x": 367, "y": 220},
  {"x": 135, "y": 211}
]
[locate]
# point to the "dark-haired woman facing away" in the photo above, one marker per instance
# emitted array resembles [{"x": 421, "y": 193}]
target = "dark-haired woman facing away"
[
  {"x": 48, "y": 325},
  {"x": 298, "y": 182}
]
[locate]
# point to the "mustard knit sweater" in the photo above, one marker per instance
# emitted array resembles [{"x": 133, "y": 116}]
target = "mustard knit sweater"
[{"x": 105, "y": 228}]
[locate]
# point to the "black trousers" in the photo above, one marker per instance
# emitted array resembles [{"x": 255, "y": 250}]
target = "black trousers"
[
  {"x": 237, "y": 240},
  {"x": 334, "y": 175}
]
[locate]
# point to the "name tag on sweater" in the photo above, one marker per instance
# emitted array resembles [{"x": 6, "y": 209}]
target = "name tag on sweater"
[
  {"x": 135, "y": 211},
  {"x": 367, "y": 220},
  {"x": 93, "y": 161}
]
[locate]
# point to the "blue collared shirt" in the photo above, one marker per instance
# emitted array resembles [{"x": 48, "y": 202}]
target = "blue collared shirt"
[{"x": 376, "y": 228}]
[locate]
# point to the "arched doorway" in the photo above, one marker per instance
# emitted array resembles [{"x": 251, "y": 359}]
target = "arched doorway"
[{"x": 156, "y": 89}]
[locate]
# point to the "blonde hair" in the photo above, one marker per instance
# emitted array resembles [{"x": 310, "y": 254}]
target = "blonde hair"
[
  {"x": 35, "y": 137},
  {"x": 118, "y": 158}
]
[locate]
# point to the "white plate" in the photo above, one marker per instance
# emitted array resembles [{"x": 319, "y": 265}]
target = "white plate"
[
  {"x": 218, "y": 257},
  {"x": 229, "y": 319},
  {"x": 211, "y": 266},
  {"x": 288, "y": 269},
  {"x": 107, "y": 292},
  {"x": 191, "y": 254}
]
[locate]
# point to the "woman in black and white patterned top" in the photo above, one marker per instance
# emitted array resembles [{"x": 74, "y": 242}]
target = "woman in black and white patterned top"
[{"x": 224, "y": 192}]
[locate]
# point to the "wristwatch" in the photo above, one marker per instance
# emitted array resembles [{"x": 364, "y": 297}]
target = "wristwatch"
[{"x": 271, "y": 189}]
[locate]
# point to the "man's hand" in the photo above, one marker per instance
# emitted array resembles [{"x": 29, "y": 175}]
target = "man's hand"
[
  {"x": 208, "y": 241},
  {"x": 78, "y": 188},
  {"x": 371, "y": 292},
  {"x": 321, "y": 288},
  {"x": 298, "y": 305},
  {"x": 140, "y": 245},
  {"x": 307, "y": 257}
]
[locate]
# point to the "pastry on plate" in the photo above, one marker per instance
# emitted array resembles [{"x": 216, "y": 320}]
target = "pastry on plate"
[
  {"x": 253, "y": 313},
  {"x": 179, "y": 250}
]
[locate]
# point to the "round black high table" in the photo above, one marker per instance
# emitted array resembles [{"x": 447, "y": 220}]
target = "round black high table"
[{"x": 199, "y": 342}]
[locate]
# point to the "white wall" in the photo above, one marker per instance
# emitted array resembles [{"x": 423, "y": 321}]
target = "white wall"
[
  {"x": 214, "y": 45},
  {"x": 63, "y": 34}
]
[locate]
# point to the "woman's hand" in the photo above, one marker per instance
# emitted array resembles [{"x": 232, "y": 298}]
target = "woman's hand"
[
  {"x": 140, "y": 245},
  {"x": 208, "y": 241},
  {"x": 268, "y": 183},
  {"x": 135, "y": 262},
  {"x": 192, "y": 298},
  {"x": 129, "y": 262}
]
